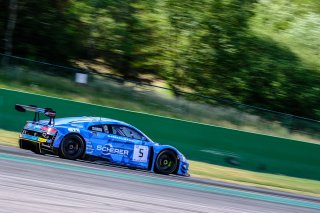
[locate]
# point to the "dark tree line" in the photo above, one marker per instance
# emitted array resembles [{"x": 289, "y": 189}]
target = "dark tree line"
[{"x": 208, "y": 47}]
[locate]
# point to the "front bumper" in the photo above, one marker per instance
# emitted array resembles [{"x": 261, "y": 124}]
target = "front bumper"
[{"x": 183, "y": 169}]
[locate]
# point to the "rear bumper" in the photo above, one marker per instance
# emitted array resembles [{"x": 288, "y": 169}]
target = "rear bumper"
[
  {"x": 30, "y": 138},
  {"x": 35, "y": 146},
  {"x": 27, "y": 144}
]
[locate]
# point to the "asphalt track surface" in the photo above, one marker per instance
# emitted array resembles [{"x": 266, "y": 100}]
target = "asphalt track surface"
[{"x": 35, "y": 183}]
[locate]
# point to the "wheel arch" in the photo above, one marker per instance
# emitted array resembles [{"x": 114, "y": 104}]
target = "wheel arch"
[
  {"x": 73, "y": 133},
  {"x": 159, "y": 149}
]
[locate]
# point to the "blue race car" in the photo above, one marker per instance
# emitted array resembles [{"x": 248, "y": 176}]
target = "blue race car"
[{"x": 98, "y": 138}]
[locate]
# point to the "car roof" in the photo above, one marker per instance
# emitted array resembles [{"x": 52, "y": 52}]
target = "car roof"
[{"x": 86, "y": 119}]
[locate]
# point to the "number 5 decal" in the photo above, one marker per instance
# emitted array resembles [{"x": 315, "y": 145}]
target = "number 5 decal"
[{"x": 140, "y": 153}]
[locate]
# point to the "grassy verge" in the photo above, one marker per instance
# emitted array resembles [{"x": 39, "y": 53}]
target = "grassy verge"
[
  {"x": 209, "y": 171},
  {"x": 260, "y": 180},
  {"x": 9, "y": 138}
]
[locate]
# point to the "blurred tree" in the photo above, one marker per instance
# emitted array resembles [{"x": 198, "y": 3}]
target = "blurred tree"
[
  {"x": 257, "y": 52},
  {"x": 292, "y": 70},
  {"x": 183, "y": 17},
  {"x": 135, "y": 38},
  {"x": 3, "y": 22},
  {"x": 45, "y": 29},
  {"x": 13, "y": 7},
  {"x": 218, "y": 62}
]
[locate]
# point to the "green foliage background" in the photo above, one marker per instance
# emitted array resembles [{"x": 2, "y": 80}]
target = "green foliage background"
[{"x": 260, "y": 52}]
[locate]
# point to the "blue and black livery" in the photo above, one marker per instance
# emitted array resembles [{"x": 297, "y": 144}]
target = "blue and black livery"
[{"x": 102, "y": 138}]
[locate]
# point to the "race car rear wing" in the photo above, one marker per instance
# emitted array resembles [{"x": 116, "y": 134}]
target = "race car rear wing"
[{"x": 46, "y": 111}]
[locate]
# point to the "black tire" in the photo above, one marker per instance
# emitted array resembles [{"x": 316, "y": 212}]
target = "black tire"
[
  {"x": 72, "y": 147},
  {"x": 166, "y": 162},
  {"x": 21, "y": 145}
]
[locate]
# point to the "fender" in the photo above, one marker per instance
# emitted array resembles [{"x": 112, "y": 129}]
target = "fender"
[{"x": 64, "y": 131}]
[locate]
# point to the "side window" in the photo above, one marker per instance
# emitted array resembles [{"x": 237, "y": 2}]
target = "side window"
[
  {"x": 96, "y": 128},
  {"x": 137, "y": 135},
  {"x": 117, "y": 130},
  {"x": 126, "y": 132},
  {"x": 105, "y": 128},
  {"x": 131, "y": 133}
]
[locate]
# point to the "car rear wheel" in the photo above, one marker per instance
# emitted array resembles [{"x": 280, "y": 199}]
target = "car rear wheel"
[
  {"x": 166, "y": 162},
  {"x": 22, "y": 145},
  {"x": 72, "y": 147}
]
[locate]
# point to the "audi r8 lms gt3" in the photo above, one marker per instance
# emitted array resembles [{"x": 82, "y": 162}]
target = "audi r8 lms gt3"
[{"x": 101, "y": 138}]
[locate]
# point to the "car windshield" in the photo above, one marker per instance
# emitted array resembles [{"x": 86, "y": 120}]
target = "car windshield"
[{"x": 126, "y": 132}]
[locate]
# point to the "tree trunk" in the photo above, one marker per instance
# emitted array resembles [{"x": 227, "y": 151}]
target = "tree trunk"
[{"x": 13, "y": 6}]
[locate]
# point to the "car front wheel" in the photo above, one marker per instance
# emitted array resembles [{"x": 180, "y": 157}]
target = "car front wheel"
[{"x": 166, "y": 162}]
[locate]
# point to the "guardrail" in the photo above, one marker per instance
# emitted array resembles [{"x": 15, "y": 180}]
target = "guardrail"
[{"x": 200, "y": 142}]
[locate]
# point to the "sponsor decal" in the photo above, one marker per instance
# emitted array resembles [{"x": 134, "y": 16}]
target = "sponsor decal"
[
  {"x": 122, "y": 138},
  {"x": 89, "y": 147},
  {"x": 30, "y": 137},
  {"x": 42, "y": 140},
  {"x": 98, "y": 129},
  {"x": 77, "y": 125},
  {"x": 44, "y": 134},
  {"x": 108, "y": 149},
  {"x": 73, "y": 129},
  {"x": 140, "y": 153}
]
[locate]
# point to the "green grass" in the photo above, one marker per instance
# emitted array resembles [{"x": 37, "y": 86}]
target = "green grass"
[
  {"x": 9, "y": 138},
  {"x": 143, "y": 99},
  {"x": 260, "y": 180},
  {"x": 209, "y": 171}
]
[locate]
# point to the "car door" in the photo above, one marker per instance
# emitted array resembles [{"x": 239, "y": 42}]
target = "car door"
[
  {"x": 134, "y": 144},
  {"x": 97, "y": 138}
]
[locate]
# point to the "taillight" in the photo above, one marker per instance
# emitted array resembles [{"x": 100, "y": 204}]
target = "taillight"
[{"x": 49, "y": 130}]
